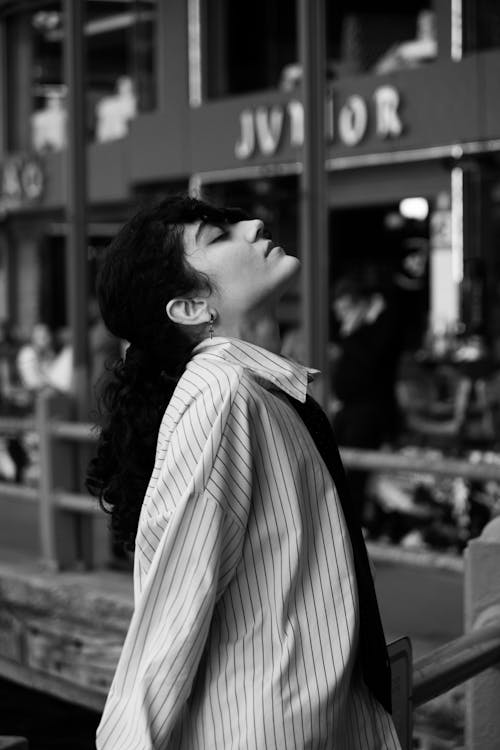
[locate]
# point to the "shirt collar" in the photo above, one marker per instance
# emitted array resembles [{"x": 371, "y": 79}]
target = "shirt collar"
[{"x": 273, "y": 369}]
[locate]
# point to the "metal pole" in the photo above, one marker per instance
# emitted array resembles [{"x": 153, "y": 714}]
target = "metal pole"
[
  {"x": 3, "y": 90},
  {"x": 313, "y": 209},
  {"x": 77, "y": 262},
  {"x": 46, "y": 510}
]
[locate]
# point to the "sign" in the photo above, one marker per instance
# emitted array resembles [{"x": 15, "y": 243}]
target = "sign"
[
  {"x": 262, "y": 128},
  {"x": 400, "y": 656},
  {"x": 22, "y": 182}
]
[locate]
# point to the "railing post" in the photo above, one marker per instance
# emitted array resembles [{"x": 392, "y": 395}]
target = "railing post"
[
  {"x": 96, "y": 537},
  {"x": 59, "y": 530},
  {"x": 482, "y": 607},
  {"x": 46, "y": 514}
]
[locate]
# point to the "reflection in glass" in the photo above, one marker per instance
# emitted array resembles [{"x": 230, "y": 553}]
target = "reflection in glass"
[
  {"x": 120, "y": 69},
  {"x": 48, "y": 109},
  {"x": 395, "y": 36},
  {"x": 120, "y": 65}
]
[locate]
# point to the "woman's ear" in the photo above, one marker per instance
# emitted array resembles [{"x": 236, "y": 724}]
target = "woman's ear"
[{"x": 188, "y": 311}]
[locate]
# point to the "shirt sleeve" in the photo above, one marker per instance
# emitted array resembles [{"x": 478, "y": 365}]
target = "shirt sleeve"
[{"x": 192, "y": 550}]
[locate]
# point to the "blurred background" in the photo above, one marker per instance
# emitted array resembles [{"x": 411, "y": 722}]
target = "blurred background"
[{"x": 106, "y": 105}]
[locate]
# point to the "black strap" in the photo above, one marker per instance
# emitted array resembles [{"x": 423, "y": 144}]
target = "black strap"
[{"x": 372, "y": 646}]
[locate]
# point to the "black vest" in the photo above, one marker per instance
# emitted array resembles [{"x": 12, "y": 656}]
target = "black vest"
[{"x": 372, "y": 647}]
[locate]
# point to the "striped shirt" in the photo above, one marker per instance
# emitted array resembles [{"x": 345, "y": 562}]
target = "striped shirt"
[{"x": 245, "y": 628}]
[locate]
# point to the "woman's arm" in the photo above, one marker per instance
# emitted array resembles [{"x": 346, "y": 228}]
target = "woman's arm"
[
  {"x": 185, "y": 557},
  {"x": 169, "y": 629}
]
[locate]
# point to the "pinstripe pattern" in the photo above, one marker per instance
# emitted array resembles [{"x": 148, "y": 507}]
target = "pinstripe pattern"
[{"x": 244, "y": 632}]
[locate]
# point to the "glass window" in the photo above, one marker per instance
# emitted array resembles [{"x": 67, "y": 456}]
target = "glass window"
[
  {"x": 35, "y": 79},
  {"x": 395, "y": 36},
  {"x": 247, "y": 45},
  {"x": 120, "y": 65},
  {"x": 121, "y": 75},
  {"x": 48, "y": 120},
  {"x": 482, "y": 25}
]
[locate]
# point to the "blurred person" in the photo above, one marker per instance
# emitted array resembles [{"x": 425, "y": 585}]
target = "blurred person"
[
  {"x": 14, "y": 402},
  {"x": 364, "y": 368},
  {"x": 35, "y": 358},
  {"x": 60, "y": 370},
  {"x": 255, "y": 620},
  {"x": 407, "y": 290},
  {"x": 7, "y": 463},
  {"x": 365, "y": 363},
  {"x": 9, "y": 380},
  {"x": 34, "y": 361}
]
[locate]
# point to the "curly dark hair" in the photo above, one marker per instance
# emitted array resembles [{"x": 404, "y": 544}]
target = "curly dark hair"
[{"x": 143, "y": 268}]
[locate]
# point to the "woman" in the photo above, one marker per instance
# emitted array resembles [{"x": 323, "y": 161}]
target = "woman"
[{"x": 247, "y": 617}]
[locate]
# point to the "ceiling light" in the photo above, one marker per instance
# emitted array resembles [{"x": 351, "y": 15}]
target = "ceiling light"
[{"x": 414, "y": 208}]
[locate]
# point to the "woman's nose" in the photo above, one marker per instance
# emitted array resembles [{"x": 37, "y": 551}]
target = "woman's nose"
[{"x": 254, "y": 230}]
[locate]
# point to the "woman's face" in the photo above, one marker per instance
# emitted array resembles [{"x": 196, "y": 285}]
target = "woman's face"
[{"x": 247, "y": 271}]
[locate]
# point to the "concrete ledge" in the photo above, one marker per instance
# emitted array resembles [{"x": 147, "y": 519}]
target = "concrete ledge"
[{"x": 62, "y": 633}]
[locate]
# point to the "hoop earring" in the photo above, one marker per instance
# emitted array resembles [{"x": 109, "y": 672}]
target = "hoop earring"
[{"x": 211, "y": 325}]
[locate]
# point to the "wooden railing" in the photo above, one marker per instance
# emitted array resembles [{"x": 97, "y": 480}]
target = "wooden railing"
[{"x": 475, "y": 653}]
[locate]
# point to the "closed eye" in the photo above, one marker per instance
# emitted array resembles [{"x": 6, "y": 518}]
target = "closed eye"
[{"x": 223, "y": 234}]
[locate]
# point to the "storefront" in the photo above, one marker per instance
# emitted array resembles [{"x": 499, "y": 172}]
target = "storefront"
[
  {"x": 198, "y": 94},
  {"x": 401, "y": 122}
]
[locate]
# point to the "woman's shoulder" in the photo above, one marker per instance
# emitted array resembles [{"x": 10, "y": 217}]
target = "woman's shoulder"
[
  {"x": 208, "y": 372},
  {"x": 208, "y": 380},
  {"x": 207, "y": 394}
]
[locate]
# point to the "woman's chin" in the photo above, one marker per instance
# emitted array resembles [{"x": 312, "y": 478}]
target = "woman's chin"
[
  {"x": 288, "y": 273},
  {"x": 293, "y": 266}
]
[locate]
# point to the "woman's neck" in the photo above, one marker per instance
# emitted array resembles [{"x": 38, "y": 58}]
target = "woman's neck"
[{"x": 263, "y": 331}]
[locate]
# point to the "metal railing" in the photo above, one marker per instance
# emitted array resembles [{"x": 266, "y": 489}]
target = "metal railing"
[
  {"x": 475, "y": 653},
  {"x": 57, "y": 431},
  {"x": 354, "y": 458},
  {"x": 454, "y": 663}
]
